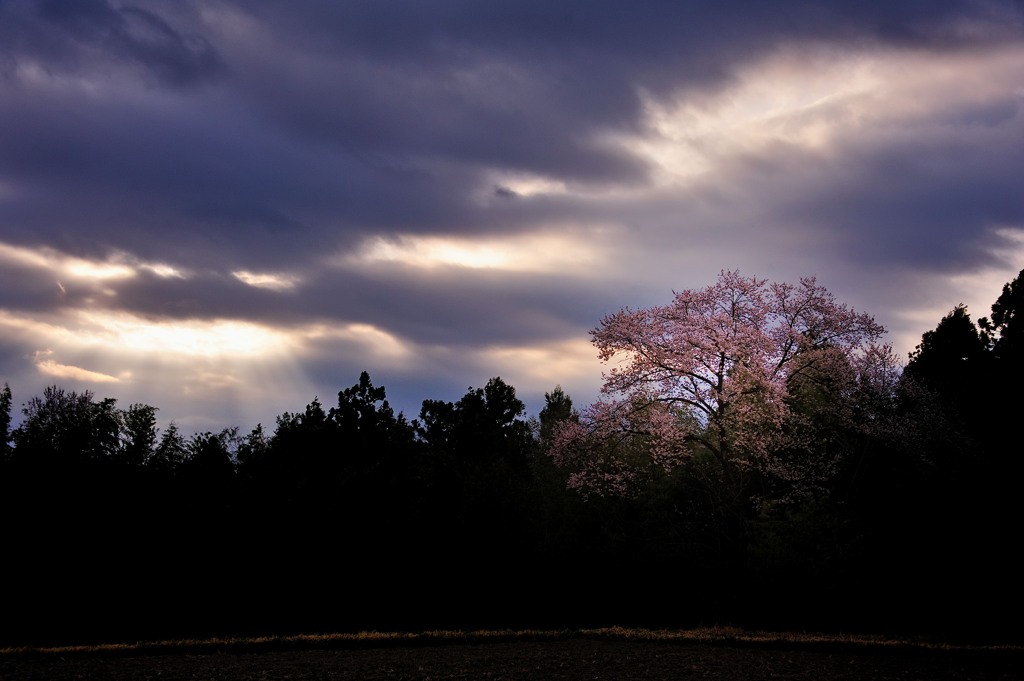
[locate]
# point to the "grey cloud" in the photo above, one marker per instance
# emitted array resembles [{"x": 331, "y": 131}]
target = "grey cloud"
[
  {"x": 92, "y": 32},
  {"x": 932, "y": 204},
  {"x": 27, "y": 290},
  {"x": 476, "y": 308},
  {"x": 494, "y": 115},
  {"x": 523, "y": 86},
  {"x": 649, "y": 34},
  {"x": 457, "y": 308},
  {"x": 365, "y": 119}
]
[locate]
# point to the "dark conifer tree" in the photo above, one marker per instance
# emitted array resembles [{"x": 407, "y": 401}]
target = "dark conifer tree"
[
  {"x": 557, "y": 408},
  {"x": 1006, "y": 327},
  {"x": 5, "y": 423},
  {"x": 478, "y": 479},
  {"x": 170, "y": 452},
  {"x": 953, "y": 362},
  {"x": 139, "y": 434}
]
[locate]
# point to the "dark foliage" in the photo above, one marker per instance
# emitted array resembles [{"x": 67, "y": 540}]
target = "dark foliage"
[{"x": 351, "y": 517}]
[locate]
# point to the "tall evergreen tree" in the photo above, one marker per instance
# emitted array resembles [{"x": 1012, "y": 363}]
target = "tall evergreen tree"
[
  {"x": 138, "y": 438},
  {"x": 170, "y": 452},
  {"x": 479, "y": 449},
  {"x": 5, "y": 422},
  {"x": 557, "y": 408},
  {"x": 953, "y": 361},
  {"x": 1006, "y": 327}
]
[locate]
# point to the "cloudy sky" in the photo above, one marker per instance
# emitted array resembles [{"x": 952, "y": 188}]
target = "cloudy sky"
[{"x": 226, "y": 208}]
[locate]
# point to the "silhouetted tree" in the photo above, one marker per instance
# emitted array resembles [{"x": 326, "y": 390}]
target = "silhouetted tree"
[
  {"x": 479, "y": 449},
  {"x": 139, "y": 434},
  {"x": 378, "y": 449},
  {"x": 478, "y": 515},
  {"x": 5, "y": 422},
  {"x": 322, "y": 465},
  {"x": 66, "y": 430},
  {"x": 953, "y": 361},
  {"x": 484, "y": 425},
  {"x": 170, "y": 452},
  {"x": 1003, "y": 403},
  {"x": 1006, "y": 327},
  {"x": 959, "y": 390},
  {"x": 208, "y": 456},
  {"x": 943, "y": 387},
  {"x": 557, "y": 408},
  {"x": 303, "y": 466},
  {"x": 105, "y": 436},
  {"x": 363, "y": 410},
  {"x": 252, "y": 449}
]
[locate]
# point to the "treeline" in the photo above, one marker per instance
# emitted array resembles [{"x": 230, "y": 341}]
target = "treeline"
[
  {"x": 348, "y": 516},
  {"x": 345, "y": 516}
]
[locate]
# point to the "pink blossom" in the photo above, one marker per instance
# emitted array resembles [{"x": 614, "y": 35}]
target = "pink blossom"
[{"x": 713, "y": 371}]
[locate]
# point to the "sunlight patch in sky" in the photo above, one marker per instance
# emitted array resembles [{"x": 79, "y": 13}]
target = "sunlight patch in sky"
[
  {"x": 117, "y": 266},
  {"x": 52, "y": 368},
  {"x": 208, "y": 371},
  {"x": 812, "y": 101},
  {"x": 119, "y": 333},
  {"x": 787, "y": 99},
  {"x": 511, "y": 185},
  {"x": 267, "y": 280},
  {"x": 165, "y": 271},
  {"x": 65, "y": 265},
  {"x": 522, "y": 253},
  {"x": 195, "y": 338}
]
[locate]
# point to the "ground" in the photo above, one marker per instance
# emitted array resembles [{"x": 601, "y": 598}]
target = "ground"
[{"x": 571, "y": 659}]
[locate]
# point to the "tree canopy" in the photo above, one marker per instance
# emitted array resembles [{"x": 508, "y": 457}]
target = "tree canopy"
[
  {"x": 713, "y": 371},
  {"x": 757, "y": 458}
]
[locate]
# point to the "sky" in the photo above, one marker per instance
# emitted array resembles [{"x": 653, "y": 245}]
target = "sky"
[{"x": 225, "y": 209}]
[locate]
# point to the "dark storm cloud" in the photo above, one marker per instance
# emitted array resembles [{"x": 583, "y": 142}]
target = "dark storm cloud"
[
  {"x": 654, "y": 45},
  {"x": 26, "y": 289},
  {"x": 77, "y": 36},
  {"x": 926, "y": 200},
  {"x": 521, "y": 86},
  {"x": 496, "y": 115},
  {"x": 341, "y": 118}
]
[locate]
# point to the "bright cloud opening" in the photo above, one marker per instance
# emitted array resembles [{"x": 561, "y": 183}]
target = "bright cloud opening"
[
  {"x": 50, "y": 367},
  {"x": 68, "y": 266},
  {"x": 165, "y": 271},
  {"x": 527, "y": 253},
  {"x": 123, "y": 333},
  {"x": 194, "y": 338},
  {"x": 522, "y": 184},
  {"x": 812, "y": 101},
  {"x": 274, "y": 282},
  {"x": 116, "y": 266}
]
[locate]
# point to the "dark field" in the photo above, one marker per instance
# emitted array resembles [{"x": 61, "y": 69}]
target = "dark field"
[{"x": 568, "y": 657}]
